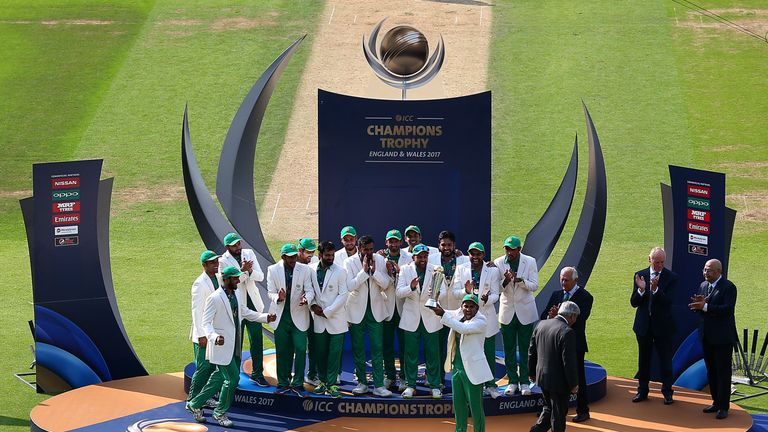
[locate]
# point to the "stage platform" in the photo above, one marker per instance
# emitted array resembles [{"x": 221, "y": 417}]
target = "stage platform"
[{"x": 118, "y": 406}]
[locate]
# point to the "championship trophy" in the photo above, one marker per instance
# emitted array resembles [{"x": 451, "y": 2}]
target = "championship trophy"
[{"x": 438, "y": 277}]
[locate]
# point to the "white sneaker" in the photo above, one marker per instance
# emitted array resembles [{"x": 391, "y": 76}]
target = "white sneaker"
[
  {"x": 510, "y": 390},
  {"x": 211, "y": 403},
  {"x": 525, "y": 389},
  {"x": 361, "y": 388},
  {"x": 382, "y": 392},
  {"x": 387, "y": 383},
  {"x": 312, "y": 381},
  {"x": 402, "y": 386},
  {"x": 223, "y": 420},
  {"x": 408, "y": 392},
  {"x": 437, "y": 394},
  {"x": 493, "y": 392},
  {"x": 197, "y": 413},
  {"x": 338, "y": 380}
]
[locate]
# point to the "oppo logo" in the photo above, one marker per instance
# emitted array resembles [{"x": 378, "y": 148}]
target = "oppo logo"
[
  {"x": 66, "y": 195},
  {"x": 698, "y": 203}
]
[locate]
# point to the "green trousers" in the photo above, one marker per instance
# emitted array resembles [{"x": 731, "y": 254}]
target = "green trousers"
[
  {"x": 444, "y": 344},
  {"x": 311, "y": 350},
  {"x": 256, "y": 338},
  {"x": 203, "y": 371},
  {"x": 375, "y": 331},
  {"x": 392, "y": 328},
  {"x": 328, "y": 354},
  {"x": 291, "y": 352},
  {"x": 225, "y": 379},
  {"x": 431, "y": 354},
  {"x": 516, "y": 338},
  {"x": 467, "y": 395},
  {"x": 490, "y": 354}
]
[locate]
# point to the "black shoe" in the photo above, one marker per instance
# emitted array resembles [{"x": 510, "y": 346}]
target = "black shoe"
[
  {"x": 282, "y": 390},
  {"x": 581, "y": 418},
  {"x": 721, "y": 414},
  {"x": 710, "y": 409},
  {"x": 298, "y": 391},
  {"x": 260, "y": 381},
  {"x": 668, "y": 400},
  {"x": 639, "y": 397}
]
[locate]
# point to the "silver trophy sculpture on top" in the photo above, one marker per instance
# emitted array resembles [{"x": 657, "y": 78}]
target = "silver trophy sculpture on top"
[{"x": 438, "y": 277}]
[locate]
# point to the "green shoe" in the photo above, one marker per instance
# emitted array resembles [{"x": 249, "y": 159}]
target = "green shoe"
[
  {"x": 320, "y": 389},
  {"x": 333, "y": 391}
]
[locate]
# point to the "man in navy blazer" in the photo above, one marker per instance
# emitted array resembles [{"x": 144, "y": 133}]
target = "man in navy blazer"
[
  {"x": 569, "y": 278},
  {"x": 652, "y": 298},
  {"x": 716, "y": 304}
]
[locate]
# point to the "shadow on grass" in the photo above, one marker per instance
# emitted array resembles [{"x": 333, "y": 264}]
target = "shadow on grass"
[{"x": 12, "y": 421}]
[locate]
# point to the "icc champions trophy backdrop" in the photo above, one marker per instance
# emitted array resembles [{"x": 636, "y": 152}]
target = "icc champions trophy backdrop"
[{"x": 387, "y": 164}]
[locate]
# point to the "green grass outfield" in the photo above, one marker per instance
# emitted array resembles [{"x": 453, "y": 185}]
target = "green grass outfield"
[{"x": 84, "y": 79}]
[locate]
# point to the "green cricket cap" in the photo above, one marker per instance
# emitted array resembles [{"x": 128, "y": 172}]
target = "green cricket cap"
[
  {"x": 477, "y": 246},
  {"x": 307, "y": 244},
  {"x": 512, "y": 242},
  {"x": 208, "y": 256},
  {"x": 412, "y": 228},
  {"x": 289, "y": 249},
  {"x": 394, "y": 234},
  {"x": 419, "y": 248},
  {"x": 348, "y": 230},
  {"x": 470, "y": 297},
  {"x": 230, "y": 271},
  {"x": 231, "y": 238}
]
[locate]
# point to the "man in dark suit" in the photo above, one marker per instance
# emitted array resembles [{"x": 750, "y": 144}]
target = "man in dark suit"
[
  {"x": 569, "y": 278},
  {"x": 552, "y": 357},
  {"x": 652, "y": 297},
  {"x": 716, "y": 303}
]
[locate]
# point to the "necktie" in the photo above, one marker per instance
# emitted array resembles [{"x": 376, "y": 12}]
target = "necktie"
[
  {"x": 566, "y": 295},
  {"x": 654, "y": 275},
  {"x": 709, "y": 289}
]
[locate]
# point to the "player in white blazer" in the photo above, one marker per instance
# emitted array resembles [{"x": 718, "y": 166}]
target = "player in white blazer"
[
  {"x": 222, "y": 322},
  {"x": 484, "y": 281},
  {"x": 396, "y": 259},
  {"x": 467, "y": 363},
  {"x": 449, "y": 259},
  {"x": 349, "y": 242},
  {"x": 307, "y": 248},
  {"x": 291, "y": 289},
  {"x": 245, "y": 260},
  {"x": 367, "y": 281},
  {"x": 517, "y": 311},
  {"x": 204, "y": 286},
  {"x": 330, "y": 319},
  {"x": 419, "y": 322}
]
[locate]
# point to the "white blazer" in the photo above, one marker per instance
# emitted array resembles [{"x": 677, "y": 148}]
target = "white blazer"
[
  {"x": 393, "y": 301},
  {"x": 517, "y": 297},
  {"x": 490, "y": 283},
  {"x": 332, "y": 298},
  {"x": 301, "y": 284},
  {"x": 448, "y": 299},
  {"x": 414, "y": 310},
  {"x": 247, "y": 281},
  {"x": 202, "y": 287},
  {"x": 218, "y": 321},
  {"x": 471, "y": 345},
  {"x": 358, "y": 283},
  {"x": 340, "y": 256}
]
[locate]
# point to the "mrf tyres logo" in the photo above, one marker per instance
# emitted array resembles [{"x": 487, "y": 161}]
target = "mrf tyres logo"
[
  {"x": 66, "y": 195},
  {"x": 66, "y": 207},
  {"x": 698, "y": 215}
]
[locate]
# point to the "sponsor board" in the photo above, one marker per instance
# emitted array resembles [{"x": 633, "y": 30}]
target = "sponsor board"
[
  {"x": 698, "y": 203},
  {"x": 65, "y": 183},
  {"x": 66, "y": 195},
  {"x": 698, "y": 215},
  {"x": 66, "y": 241},
  {"x": 699, "y": 191},
  {"x": 698, "y": 250},
  {"x": 66, "y": 207},
  {"x": 697, "y": 238},
  {"x": 65, "y": 230},
  {"x": 66, "y": 219},
  {"x": 697, "y": 227}
]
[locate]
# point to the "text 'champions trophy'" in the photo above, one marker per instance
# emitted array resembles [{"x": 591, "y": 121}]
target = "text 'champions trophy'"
[{"x": 438, "y": 277}]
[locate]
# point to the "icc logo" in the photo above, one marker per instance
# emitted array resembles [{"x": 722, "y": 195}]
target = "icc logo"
[{"x": 319, "y": 406}]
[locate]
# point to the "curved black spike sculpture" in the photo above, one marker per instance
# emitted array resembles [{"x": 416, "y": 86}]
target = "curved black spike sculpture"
[
  {"x": 541, "y": 239},
  {"x": 585, "y": 244},
  {"x": 211, "y": 225},
  {"x": 237, "y": 155}
]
